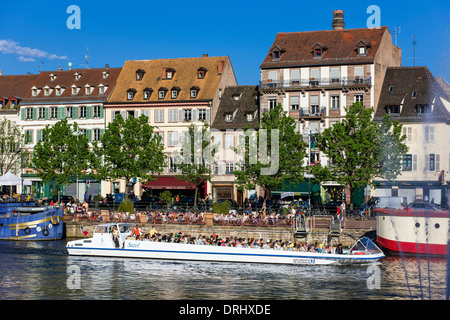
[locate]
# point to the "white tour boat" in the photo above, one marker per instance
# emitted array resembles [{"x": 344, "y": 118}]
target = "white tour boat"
[{"x": 102, "y": 244}]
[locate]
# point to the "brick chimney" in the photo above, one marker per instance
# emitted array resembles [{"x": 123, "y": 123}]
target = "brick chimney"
[
  {"x": 164, "y": 75},
  {"x": 220, "y": 65},
  {"x": 338, "y": 20}
]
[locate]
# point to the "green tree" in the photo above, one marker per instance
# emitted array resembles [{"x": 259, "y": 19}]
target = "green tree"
[
  {"x": 360, "y": 149},
  {"x": 11, "y": 142},
  {"x": 285, "y": 146},
  {"x": 129, "y": 149},
  {"x": 63, "y": 154},
  {"x": 196, "y": 158}
]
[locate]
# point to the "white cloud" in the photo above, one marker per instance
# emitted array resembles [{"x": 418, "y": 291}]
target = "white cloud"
[
  {"x": 26, "y": 54},
  {"x": 25, "y": 59}
]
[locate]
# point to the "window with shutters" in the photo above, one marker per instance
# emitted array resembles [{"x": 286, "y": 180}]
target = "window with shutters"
[
  {"x": 429, "y": 133},
  {"x": 173, "y": 115},
  {"x": 159, "y": 115},
  {"x": 187, "y": 115},
  {"x": 53, "y": 112},
  {"x": 97, "y": 111},
  {"x": 41, "y": 113},
  {"x": 29, "y": 113},
  {"x": 172, "y": 137},
  {"x": 202, "y": 114},
  {"x": 83, "y": 112},
  {"x": 69, "y": 112},
  {"x": 96, "y": 135}
]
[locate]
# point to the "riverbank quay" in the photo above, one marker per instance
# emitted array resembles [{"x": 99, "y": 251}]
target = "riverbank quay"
[{"x": 320, "y": 233}]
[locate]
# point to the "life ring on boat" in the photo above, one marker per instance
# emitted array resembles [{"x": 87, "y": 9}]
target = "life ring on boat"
[
  {"x": 54, "y": 220},
  {"x": 27, "y": 230},
  {"x": 45, "y": 232}
]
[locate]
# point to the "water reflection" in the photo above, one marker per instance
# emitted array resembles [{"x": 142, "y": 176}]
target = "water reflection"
[{"x": 39, "y": 271}]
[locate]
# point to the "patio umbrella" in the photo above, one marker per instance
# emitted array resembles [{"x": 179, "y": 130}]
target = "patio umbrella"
[{"x": 10, "y": 179}]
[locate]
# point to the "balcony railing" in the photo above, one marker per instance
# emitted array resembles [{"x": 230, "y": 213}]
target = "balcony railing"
[
  {"x": 313, "y": 111},
  {"x": 316, "y": 83}
]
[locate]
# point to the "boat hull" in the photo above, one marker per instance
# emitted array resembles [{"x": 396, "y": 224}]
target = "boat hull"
[
  {"x": 402, "y": 232},
  {"x": 190, "y": 252},
  {"x": 32, "y": 225}
]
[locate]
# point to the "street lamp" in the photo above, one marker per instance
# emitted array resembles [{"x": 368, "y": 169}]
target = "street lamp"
[
  {"x": 307, "y": 138},
  {"x": 76, "y": 134}
]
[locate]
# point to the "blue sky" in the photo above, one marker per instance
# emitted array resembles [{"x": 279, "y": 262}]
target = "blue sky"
[{"x": 32, "y": 32}]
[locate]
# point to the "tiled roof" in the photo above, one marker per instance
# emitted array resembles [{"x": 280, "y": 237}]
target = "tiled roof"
[
  {"x": 237, "y": 101},
  {"x": 410, "y": 88},
  {"x": 66, "y": 79},
  {"x": 16, "y": 85},
  {"x": 185, "y": 77},
  {"x": 339, "y": 46}
]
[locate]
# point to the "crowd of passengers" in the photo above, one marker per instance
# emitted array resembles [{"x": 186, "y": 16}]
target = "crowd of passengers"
[{"x": 232, "y": 241}]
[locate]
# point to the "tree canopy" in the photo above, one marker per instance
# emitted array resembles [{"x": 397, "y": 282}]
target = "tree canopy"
[
  {"x": 272, "y": 155},
  {"x": 360, "y": 149},
  {"x": 129, "y": 149}
]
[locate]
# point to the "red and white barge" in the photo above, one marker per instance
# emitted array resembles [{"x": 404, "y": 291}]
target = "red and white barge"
[{"x": 413, "y": 231}]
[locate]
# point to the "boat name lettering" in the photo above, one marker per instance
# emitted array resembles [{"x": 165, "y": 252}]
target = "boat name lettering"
[
  {"x": 304, "y": 261},
  {"x": 133, "y": 245}
]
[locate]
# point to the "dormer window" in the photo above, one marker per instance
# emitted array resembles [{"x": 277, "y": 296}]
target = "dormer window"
[
  {"x": 318, "y": 50},
  {"x": 228, "y": 117},
  {"x": 58, "y": 91},
  {"x": 105, "y": 74},
  {"x": 130, "y": 94},
  {"x": 147, "y": 93},
  {"x": 236, "y": 97},
  {"x": 52, "y": 77},
  {"x": 34, "y": 91},
  {"x": 201, "y": 72},
  {"x": 194, "y": 91},
  {"x": 47, "y": 91},
  {"x": 74, "y": 89},
  {"x": 393, "y": 109},
  {"x": 140, "y": 74},
  {"x": 249, "y": 117},
  {"x": 362, "y": 48},
  {"x": 413, "y": 94},
  {"x": 276, "y": 52},
  {"x": 391, "y": 88},
  {"x": 174, "y": 92},
  {"x": 423, "y": 109},
  {"x": 88, "y": 89},
  {"x": 77, "y": 76},
  {"x": 162, "y": 93},
  {"x": 101, "y": 89},
  {"x": 170, "y": 72}
]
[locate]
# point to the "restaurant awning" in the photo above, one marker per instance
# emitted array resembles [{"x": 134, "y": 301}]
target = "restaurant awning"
[
  {"x": 167, "y": 183},
  {"x": 298, "y": 189}
]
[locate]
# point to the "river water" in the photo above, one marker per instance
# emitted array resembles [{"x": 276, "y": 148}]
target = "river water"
[{"x": 44, "y": 271}]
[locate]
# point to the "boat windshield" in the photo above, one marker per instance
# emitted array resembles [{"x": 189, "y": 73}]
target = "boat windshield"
[{"x": 365, "y": 245}]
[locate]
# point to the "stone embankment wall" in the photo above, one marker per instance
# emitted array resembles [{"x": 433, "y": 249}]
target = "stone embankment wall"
[{"x": 73, "y": 230}]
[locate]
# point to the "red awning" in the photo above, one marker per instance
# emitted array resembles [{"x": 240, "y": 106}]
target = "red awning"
[{"x": 168, "y": 183}]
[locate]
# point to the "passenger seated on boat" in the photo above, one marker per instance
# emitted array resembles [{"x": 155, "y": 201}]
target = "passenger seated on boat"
[{"x": 136, "y": 232}]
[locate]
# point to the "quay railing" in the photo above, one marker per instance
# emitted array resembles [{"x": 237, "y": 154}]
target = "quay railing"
[{"x": 313, "y": 222}]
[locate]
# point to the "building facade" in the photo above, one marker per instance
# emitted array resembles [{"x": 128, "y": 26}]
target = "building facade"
[
  {"x": 77, "y": 95},
  {"x": 173, "y": 93},
  {"x": 315, "y": 75},
  {"x": 421, "y": 104},
  {"x": 238, "y": 110}
]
